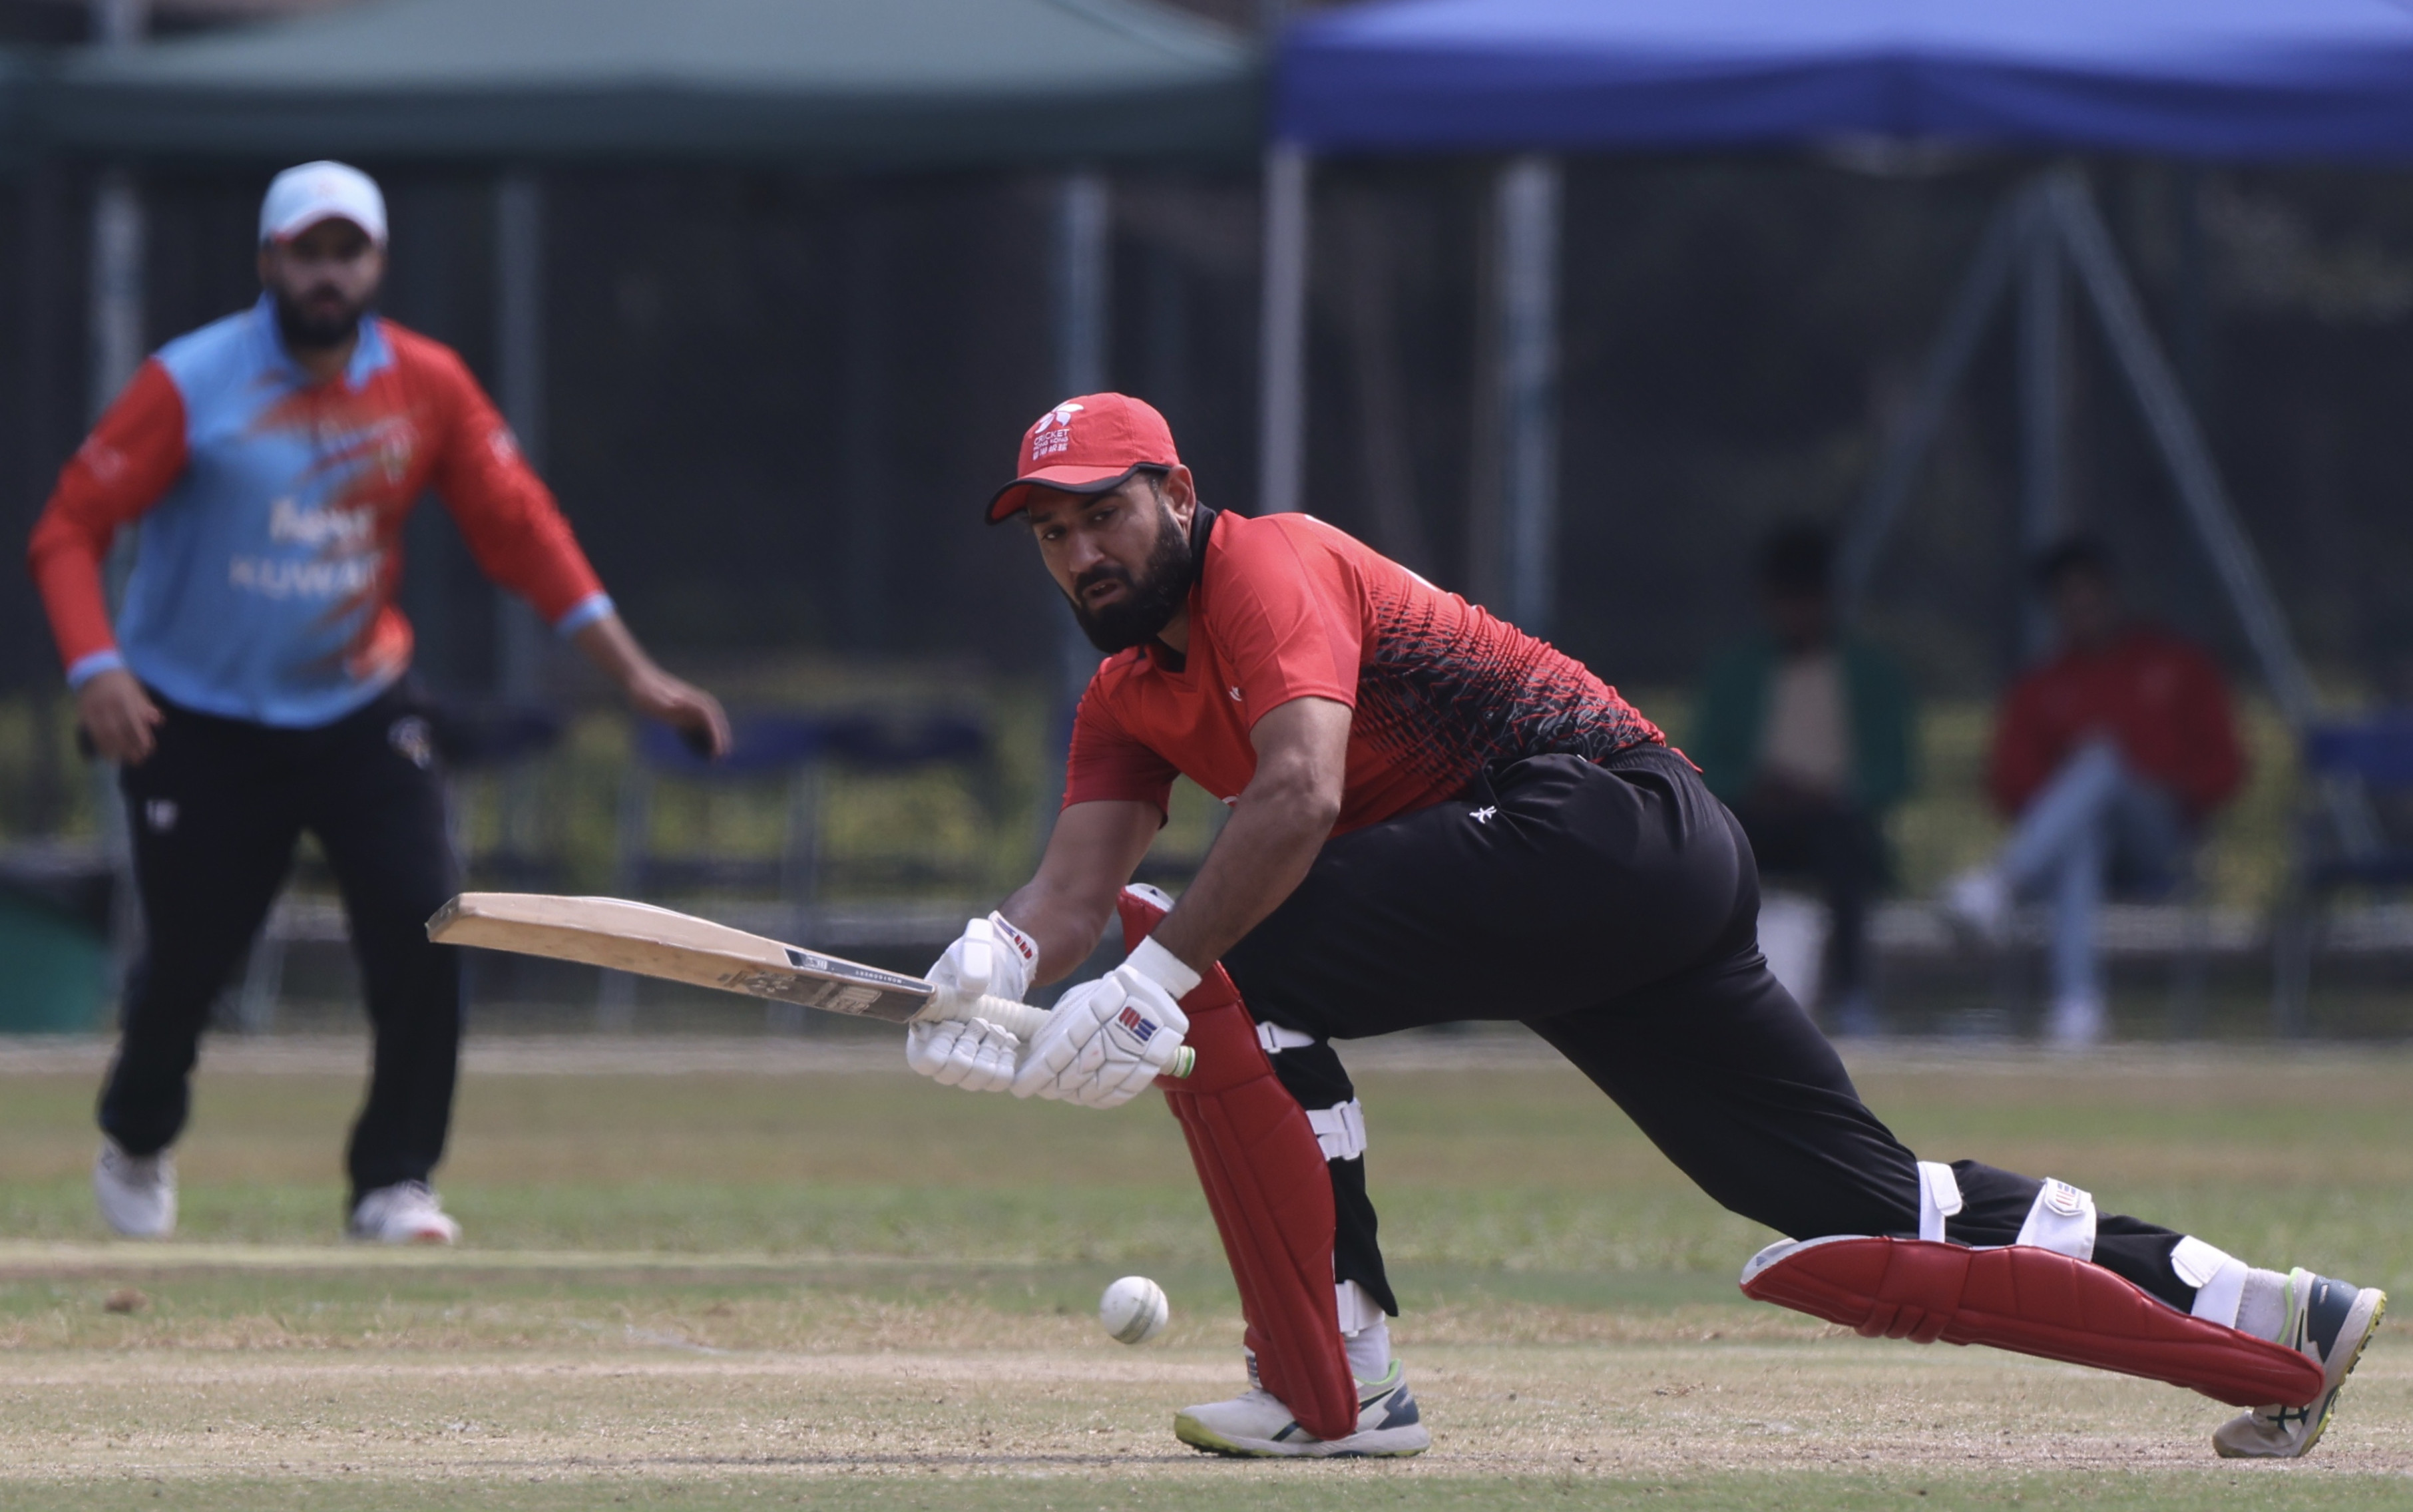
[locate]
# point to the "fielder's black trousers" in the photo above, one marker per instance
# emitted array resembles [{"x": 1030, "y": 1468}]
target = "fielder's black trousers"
[
  {"x": 215, "y": 813},
  {"x": 1613, "y": 909}
]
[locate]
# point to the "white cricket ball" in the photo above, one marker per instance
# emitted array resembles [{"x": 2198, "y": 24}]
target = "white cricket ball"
[{"x": 1133, "y": 1310}]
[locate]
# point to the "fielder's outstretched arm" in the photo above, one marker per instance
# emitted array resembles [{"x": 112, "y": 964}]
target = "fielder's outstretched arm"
[{"x": 652, "y": 692}]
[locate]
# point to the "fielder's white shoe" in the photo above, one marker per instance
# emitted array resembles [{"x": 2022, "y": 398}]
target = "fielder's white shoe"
[
  {"x": 1979, "y": 903},
  {"x": 406, "y": 1213},
  {"x": 1255, "y": 1424},
  {"x": 2076, "y": 1021},
  {"x": 2330, "y": 1321},
  {"x": 136, "y": 1194}
]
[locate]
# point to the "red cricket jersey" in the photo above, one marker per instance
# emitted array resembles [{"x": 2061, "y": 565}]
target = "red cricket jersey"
[
  {"x": 1289, "y": 608},
  {"x": 2162, "y": 699}
]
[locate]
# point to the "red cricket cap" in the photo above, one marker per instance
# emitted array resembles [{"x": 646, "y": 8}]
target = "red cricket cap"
[{"x": 1087, "y": 445}]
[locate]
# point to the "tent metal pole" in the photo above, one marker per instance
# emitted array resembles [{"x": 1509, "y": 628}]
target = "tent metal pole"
[
  {"x": 38, "y": 414},
  {"x": 1082, "y": 214},
  {"x": 2184, "y": 452},
  {"x": 1529, "y": 193},
  {"x": 1165, "y": 335},
  {"x": 519, "y": 383},
  {"x": 521, "y": 638},
  {"x": 1083, "y": 291},
  {"x": 1366, "y": 232},
  {"x": 1487, "y": 440},
  {"x": 2181, "y": 441},
  {"x": 118, "y": 234},
  {"x": 1281, "y": 348},
  {"x": 1981, "y": 289},
  {"x": 116, "y": 325},
  {"x": 2193, "y": 317},
  {"x": 2043, "y": 413},
  {"x": 118, "y": 231}
]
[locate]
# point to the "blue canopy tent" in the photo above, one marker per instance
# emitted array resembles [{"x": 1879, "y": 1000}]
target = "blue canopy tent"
[
  {"x": 2226, "y": 79},
  {"x": 2266, "y": 79}
]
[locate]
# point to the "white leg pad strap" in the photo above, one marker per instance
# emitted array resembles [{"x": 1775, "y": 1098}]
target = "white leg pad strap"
[
  {"x": 2218, "y": 1279},
  {"x": 1340, "y": 1131},
  {"x": 2061, "y": 1220},
  {"x": 1276, "y": 1039},
  {"x": 1358, "y": 1311},
  {"x": 1939, "y": 1198}
]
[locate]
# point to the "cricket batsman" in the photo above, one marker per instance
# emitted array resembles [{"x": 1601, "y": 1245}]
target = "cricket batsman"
[
  {"x": 1437, "y": 817},
  {"x": 253, "y": 684}
]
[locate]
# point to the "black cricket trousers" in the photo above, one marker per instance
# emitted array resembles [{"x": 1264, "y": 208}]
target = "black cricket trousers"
[
  {"x": 215, "y": 813},
  {"x": 1614, "y": 910}
]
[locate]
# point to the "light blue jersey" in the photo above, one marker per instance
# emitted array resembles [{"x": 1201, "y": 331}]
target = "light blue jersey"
[{"x": 272, "y": 508}]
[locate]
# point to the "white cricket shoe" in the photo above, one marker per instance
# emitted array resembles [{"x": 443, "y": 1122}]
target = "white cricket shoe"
[
  {"x": 1979, "y": 902},
  {"x": 2076, "y": 1021},
  {"x": 406, "y": 1213},
  {"x": 2330, "y": 1321},
  {"x": 136, "y": 1194},
  {"x": 1255, "y": 1424}
]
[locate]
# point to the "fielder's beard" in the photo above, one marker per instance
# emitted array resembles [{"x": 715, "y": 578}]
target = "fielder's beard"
[
  {"x": 315, "y": 330},
  {"x": 1150, "y": 600}
]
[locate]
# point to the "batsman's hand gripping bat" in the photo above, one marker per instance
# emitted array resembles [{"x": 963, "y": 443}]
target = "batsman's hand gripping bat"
[{"x": 679, "y": 947}]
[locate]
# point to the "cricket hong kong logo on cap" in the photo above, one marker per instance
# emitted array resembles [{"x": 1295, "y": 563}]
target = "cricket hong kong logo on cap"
[{"x": 1054, "y": 432}]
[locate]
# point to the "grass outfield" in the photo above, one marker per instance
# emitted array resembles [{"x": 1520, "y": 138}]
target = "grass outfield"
[{"x": 791, "y": 1274}]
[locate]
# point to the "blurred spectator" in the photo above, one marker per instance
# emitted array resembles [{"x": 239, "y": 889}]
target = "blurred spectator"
[
  {"x": 2109, "y": 758},
  {"x": 1805, "y": 732}
]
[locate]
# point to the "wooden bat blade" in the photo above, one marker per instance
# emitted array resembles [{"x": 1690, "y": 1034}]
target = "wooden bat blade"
[{"x": 677, "y": 947}]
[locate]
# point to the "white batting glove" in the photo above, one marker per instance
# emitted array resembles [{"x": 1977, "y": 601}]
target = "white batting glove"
[
  {"x": 973, "y": 1054},
  {"x": 991, "y": 958},
  {"x": 1107, "y": 1040}
]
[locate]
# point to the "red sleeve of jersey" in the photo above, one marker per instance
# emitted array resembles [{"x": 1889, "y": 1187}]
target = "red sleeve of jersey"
[
  {"x": 507, "y": 514},
  {"x": 1106, "y": 764},
  {"x": 117, "y": 475},
  {"x": 2215, "y": 762},
  {"x": 1289, "y": 616}
]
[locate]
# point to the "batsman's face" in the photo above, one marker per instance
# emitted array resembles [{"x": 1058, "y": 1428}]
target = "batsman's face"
[
  {"x": 1098, "y": 546},
  {"x": 1122, "y": 558},
  {"x": 322, "y": 282}
]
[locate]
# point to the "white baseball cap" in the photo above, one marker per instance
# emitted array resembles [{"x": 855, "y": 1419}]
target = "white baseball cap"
[{"x": 300, "y": 198}]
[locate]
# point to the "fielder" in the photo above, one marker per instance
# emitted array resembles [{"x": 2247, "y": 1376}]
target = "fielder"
[
  {"x": 1435, "y": 818},
  {"x": 252, "y": 686}
]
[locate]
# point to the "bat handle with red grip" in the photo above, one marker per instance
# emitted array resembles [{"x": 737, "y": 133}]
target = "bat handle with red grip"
[{"x": 1022, "y": 1020}]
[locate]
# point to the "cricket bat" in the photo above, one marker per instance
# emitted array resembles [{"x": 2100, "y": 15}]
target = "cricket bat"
[{"x": 679, "y": 947}]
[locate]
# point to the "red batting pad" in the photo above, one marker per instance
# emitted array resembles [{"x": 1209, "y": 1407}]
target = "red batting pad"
[
  {"x": 1272, "y": 1197},
  {"x": 2031, "y": 1301}
]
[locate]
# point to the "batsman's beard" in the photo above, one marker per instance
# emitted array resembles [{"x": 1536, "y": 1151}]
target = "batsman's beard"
[
  {"x": 315, "y": 322},
  {"x": 1150, "y": 600}
]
